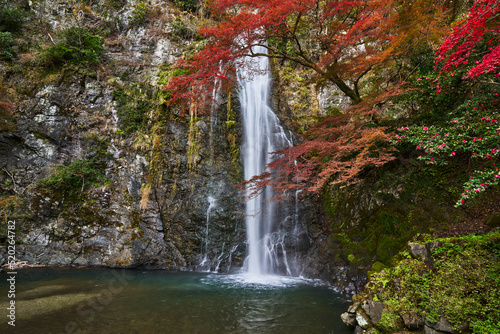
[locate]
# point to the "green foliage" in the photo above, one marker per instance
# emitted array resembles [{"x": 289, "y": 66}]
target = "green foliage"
[
  {"x": 11, "y": 22},
  {"x": 460, "y": 128},
  {"x": 76, "y": 46},
  {"x": 462, "y": 283},
  {"x": 165, "y": 73},
  {"x": 132, "y": 106},
  {"x": 68, "y": 181},
  {"x": 420, "y": 204},
  {"x": 11, "y": 17},
  {"x": 433, "y": 97},
  {"x": 6, "y": 45},
  {"x": 115, "y": 4},
  {"x": 180, "y": 71},
  {"x": 138, "y": 16},
  {"x": 187, "y": 5},
  {"x": 181, "y": 30},
  {"x": 378, "y": 266}
]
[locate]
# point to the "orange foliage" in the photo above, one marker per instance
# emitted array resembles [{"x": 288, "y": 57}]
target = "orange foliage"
[
  {"x": 341, "y": 41},
  {"x": 336, "y": 150}
]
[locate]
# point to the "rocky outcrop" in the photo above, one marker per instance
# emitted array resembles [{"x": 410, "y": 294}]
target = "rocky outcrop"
[
  {"x": 416, "y": 296},
  {"x": 363, "y": 315},
  {"x": 138, "y": 216}
]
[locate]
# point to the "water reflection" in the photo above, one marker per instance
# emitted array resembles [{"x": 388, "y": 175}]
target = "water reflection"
[{"x": 65, "y": 300}]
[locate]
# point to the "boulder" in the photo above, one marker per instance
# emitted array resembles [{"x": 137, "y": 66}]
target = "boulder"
[
  {"x": 419, "y": 251},
  {"x": 374, "y": 310},
  {"x": 441, "y": 326},
  {"x": 352, "y": 308},
  {"x": 363, "y": 320},
  {"x": 412, "y": 321},
  {"x": 429, "y": 330},
  {"x": 349, "y": 319},
  {"x": 432, "y": 245}
]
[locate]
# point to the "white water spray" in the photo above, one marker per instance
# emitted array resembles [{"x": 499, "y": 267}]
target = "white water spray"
[{"x": 205, "y": 261}]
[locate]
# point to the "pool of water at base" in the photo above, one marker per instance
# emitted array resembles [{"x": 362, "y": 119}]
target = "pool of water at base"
[{"x": 71, "y": 300}]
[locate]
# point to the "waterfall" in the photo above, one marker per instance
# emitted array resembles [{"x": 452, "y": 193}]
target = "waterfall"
[
  {"x": 205, "y": 263},
  {"x": 262, "y": 134}
]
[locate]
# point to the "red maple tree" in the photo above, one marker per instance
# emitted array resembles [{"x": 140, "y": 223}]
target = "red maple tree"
[
  {"x": 475, "y": 36},
  {"x": 340, "y": 41}
]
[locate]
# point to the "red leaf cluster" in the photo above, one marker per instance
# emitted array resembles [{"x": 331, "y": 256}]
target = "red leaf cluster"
[
  {"x": 338, "y": 40},
  {"x": 337, "y": 150},
  {"x": 457, "y": 49}
]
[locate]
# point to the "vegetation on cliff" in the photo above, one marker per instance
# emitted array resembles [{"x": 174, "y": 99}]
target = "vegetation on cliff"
[{"x": 448, "y": 285}]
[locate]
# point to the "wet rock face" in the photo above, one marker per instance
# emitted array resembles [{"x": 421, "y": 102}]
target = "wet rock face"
[
  {"x": 74, "y": 115},
  {"x": 182, "y": 204}
]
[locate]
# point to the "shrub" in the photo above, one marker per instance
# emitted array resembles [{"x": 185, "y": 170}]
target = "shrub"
[
  {"x": 11, "y": 18},
  {"x": 76, "y": 46},
  {"x": 6, "y": 45},
  {"x": 139, "y": 14},
  {"x": 72, "y": 179},
  {"x": 469, "y": 129}
]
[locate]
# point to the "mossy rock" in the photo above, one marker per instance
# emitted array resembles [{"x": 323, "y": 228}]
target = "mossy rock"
[
  {"x": 493, "y": 220},
  {"x": 378, "y": 266}
]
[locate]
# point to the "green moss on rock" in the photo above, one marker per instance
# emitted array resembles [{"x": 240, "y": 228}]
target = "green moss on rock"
[{"x": 458, "y": 288}]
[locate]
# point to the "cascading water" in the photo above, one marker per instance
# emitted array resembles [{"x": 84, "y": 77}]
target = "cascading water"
[
  {"x": 263, "y": 134},
  {"x": 206, "y": 262}
]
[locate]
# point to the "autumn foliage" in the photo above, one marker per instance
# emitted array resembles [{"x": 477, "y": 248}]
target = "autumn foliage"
[
  {"x": 337, "y": 151},
  {"x": 370, "y": 50},
  {"x": 474, "y": 41},
  {"x": 340, "y": 41},
  {"x": 464, "y": 102}
]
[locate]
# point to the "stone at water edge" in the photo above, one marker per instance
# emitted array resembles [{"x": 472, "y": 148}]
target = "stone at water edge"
[
  {"x": 349, "y": 319},
  {"x": 362, "y": 319},
  {"x": 374, "y": 310}
]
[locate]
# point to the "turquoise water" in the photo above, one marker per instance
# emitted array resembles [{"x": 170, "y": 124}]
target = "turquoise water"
[{"x": 70, "y": 300}]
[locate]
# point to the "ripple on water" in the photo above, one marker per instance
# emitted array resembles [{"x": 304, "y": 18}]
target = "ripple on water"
[{"x": 264, "y": 282}]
